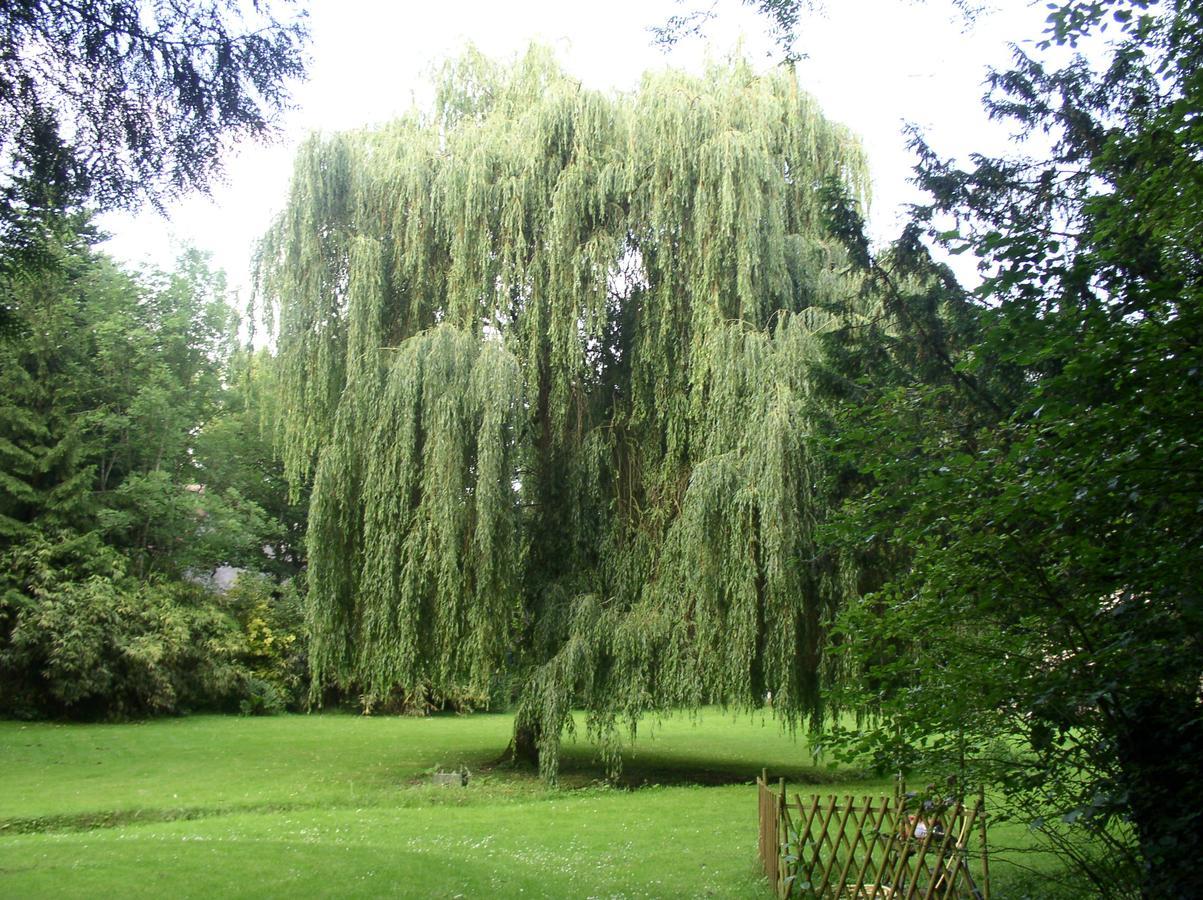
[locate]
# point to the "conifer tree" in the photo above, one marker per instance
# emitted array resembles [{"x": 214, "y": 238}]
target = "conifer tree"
[{"x": 43, "y": 476}]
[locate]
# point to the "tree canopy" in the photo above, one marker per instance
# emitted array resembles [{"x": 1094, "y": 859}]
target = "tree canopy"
[
  {"x": 661, "y": 313},
  {"x": 543, "y": 353},
  {"x": 1030, "y": 485}
]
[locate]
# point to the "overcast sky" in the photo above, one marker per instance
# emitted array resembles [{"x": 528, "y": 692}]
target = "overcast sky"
[{"x": 873, "y": 65}]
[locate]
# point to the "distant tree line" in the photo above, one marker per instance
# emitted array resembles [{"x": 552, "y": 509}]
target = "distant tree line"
[
  {"x": 133, "y": 462},
  {"x": 133, "y": 454}
]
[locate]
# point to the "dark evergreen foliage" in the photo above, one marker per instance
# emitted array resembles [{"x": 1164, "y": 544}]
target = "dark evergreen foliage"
[{"x": 138, "y": 100}]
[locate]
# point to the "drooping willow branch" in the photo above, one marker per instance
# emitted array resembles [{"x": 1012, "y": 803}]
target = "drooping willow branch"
[{"x": 545, "y": 355}]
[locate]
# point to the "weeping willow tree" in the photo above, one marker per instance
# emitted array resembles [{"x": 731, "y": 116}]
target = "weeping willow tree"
[{"x": 545, "y": 358}]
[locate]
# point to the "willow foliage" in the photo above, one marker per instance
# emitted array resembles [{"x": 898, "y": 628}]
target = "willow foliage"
[{"x": 545, "y": 357}]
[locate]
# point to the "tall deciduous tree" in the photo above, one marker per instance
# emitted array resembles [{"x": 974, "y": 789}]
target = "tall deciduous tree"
[
  {"x": 544, "y": 355},
  {"x": 1043, "y": 478},
  {"x": 233, "y": 449}
]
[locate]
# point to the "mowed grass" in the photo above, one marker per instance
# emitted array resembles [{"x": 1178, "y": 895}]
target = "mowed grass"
[
  {"x": 340, "y": 806},
  {"x": 59, "y": 774}
]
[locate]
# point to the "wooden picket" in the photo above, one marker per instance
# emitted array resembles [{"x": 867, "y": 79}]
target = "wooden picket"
[{"x": 869, "y": 848}]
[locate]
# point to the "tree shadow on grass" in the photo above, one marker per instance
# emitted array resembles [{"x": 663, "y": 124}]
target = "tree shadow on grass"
[
  {"x": 653, "y": 769},
  {"x": 582, "y": 766}
]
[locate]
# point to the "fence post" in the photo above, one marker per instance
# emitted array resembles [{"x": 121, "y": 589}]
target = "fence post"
[
  {"x": 761, "y": 804},
  {"x": 782, "y": 836},
  {"x": 981, "y": 804}
]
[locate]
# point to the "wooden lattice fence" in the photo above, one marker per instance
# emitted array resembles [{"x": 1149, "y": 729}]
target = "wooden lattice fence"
[{"x": 867, "y": 848}]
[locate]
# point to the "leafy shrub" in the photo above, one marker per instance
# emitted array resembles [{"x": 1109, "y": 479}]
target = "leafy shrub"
[
  {"x": 273, "y": 627},
  {"x": 79, "y": 637},
  {"x": 262, "y": 698}
]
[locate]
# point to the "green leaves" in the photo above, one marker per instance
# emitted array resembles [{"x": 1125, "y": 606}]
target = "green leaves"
[
  {"x": 109, "y": 499},
  {"x": 87, "y": 640}
]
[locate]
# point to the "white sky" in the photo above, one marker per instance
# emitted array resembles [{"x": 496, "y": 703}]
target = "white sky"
[{"x": 873, "y": 65}]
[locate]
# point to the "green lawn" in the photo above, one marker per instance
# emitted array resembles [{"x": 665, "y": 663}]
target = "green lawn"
[{"x": 338, "y": 805}]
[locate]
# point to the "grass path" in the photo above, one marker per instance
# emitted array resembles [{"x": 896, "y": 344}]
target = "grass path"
[{"x": 658, "y": 843}]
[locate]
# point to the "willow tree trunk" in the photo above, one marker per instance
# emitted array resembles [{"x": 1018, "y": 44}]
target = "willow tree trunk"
[{"x": 524, "y": 748}]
